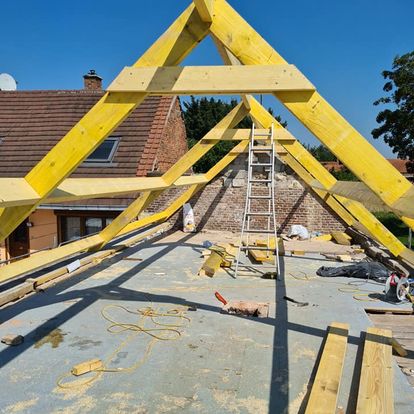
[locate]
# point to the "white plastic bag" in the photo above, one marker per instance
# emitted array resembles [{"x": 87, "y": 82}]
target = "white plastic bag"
[
  {"x": 299, "y": 231},
  {"x": 188, "y": 219}
]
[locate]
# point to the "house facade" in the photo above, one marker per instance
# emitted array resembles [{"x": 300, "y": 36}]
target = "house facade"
[{"x": 148, "y": 142}]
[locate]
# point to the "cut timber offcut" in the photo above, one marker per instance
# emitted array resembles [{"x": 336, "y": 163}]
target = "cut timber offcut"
[{"x": 341, "y": 238}]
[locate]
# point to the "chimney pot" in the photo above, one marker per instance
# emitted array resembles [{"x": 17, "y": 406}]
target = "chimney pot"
[{"x": 92, "y": 81}]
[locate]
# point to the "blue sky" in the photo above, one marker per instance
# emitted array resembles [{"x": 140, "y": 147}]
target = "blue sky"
[{"x": 342, "y": 46}]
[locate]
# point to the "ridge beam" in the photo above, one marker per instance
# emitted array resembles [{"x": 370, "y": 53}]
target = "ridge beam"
[
  {"x": 211, "y": 80},
  {"x": 205, "y": 9}
]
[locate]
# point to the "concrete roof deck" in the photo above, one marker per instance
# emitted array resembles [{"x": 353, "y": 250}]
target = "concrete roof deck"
[{"x": 220, "y": 364}]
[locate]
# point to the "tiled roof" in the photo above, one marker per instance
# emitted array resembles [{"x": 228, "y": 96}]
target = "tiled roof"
[
  {"x": 400, "y": 165},
  {"x": 32, "y": 122}
]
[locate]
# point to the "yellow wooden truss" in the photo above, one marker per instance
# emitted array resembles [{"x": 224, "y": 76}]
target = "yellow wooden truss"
[{"x": 252, "y": 66}]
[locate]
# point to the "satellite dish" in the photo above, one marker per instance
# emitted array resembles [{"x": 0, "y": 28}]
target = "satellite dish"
[{"x": 7, "y": 82}]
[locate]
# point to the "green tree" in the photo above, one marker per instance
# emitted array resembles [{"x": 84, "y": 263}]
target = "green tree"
[
  {"x": 397, "y": 121},
  {"x": 321, "y": 153},
  {"x": 200, "y": 116}
]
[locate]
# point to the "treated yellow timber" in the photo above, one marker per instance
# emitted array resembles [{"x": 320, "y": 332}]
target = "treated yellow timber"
[
  {"x": 16, "y": 189},
  {"x": 47, "y": 257},
  {"x": 360, "y": 192},
  {"x": 281, "y": 135},
  {"x": 376, "y": 394},
  {"x": 350, "y": 211},
  {"x": 236, "y": 115},
  {"x": 228, "y": 59},
  {"x": 206, "y": 9},
  {"x": 170, "y": 49},
  {"x": 324, "y": 395},
  {"x": 213, "y": 80},
  {"x": 312, "y": 109},
  {"x": 356, "y": 191},
  {"x": 86, "y": 188},
  {"x": 41, "y": 259}
]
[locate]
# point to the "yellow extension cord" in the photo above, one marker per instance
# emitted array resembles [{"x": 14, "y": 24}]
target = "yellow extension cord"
[
  {"x": 165, "y": 332},
  {"x": 358, "y": 293}
]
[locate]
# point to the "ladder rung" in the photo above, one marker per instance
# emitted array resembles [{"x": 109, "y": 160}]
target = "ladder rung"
[
  {"x": 261, "y": 149},
  {"x": 254, "y": 197},
  {"x": 260, "y": 181},
  {"x": 259, "y": 231},
  {"x": 259, "y": 214},
  {"x": 267, "y": 134},
  {"x": 257, "y": 248},
  {"x": 261, "y": 164}
]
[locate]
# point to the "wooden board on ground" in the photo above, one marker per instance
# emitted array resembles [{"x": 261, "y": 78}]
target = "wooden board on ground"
[
  {"x": 325, "y": 388},
  {"x": 281, "y": 246},
  {"x": 375, "y": 393},
  {"x": 341, "y": 238},
  {"x": 221, "y": 255},
  {"x": 262, "y": 256},
  {"x": 322, "y": 237},
  {"x": 212, "y": 264},
  {"x": 401, "y": 323}
]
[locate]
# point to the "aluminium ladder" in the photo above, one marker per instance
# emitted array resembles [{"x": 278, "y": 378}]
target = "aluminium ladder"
[{"x": 266, "y": 149}]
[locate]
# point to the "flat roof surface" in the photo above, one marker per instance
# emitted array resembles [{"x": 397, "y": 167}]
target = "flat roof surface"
[{"x": 219, "y": 364}]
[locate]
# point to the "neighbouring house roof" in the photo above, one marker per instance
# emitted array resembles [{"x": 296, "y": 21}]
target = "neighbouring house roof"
[
  {"x": 32, "y": 122},
  {"x": 400, "y": 165}
]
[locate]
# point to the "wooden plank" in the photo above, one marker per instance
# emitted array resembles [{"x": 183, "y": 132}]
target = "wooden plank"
[
  {"x": 262, "y": 256},
  {"x": 210, "y": 80},
  {"x": 324, "y": 394},
  {"x": 341, "y": 238},
  {"x": 263, "y": 243},
  {"x": 390, "y": 310},
  {"x": 322, "y": 237},
  {"x": 206, "y": 9},
  {"x": 358, "y": 191},
  {"x": 212, "y": 264},
  {"x": 73, "y": 189},
  {"x": 375, "y": 393},
  {"x": 170, "y": 49},
  {"x": 313, "y": 110}
]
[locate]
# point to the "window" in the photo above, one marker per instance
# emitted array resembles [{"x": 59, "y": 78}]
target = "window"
[
  {"x": 105, "y": 152},
  {"x": 73, "y": 225}
]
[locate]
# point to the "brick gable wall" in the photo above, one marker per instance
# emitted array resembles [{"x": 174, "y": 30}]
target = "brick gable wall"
[{"x": 220, "y": 205}]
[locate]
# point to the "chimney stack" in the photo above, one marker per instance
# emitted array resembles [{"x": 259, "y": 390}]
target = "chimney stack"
[{"x": 92, "y": 81}]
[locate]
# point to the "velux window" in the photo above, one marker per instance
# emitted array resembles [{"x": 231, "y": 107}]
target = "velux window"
[{"x": 105, "y": 152}]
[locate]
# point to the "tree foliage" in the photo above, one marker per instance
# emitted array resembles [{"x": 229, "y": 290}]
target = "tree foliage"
[
  {"x": 397, "y": 121},
  {"x": 321, "y": 153},
  {"x": 200, "y": 116}
]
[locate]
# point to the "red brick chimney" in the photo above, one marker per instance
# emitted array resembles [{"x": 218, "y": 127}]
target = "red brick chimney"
[{"x": 92, "y": 81}]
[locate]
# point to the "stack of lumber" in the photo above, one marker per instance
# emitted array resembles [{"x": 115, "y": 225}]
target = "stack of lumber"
[
  {"x": 218, "y": 255},
  {"x": 263, "y": 256}
]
